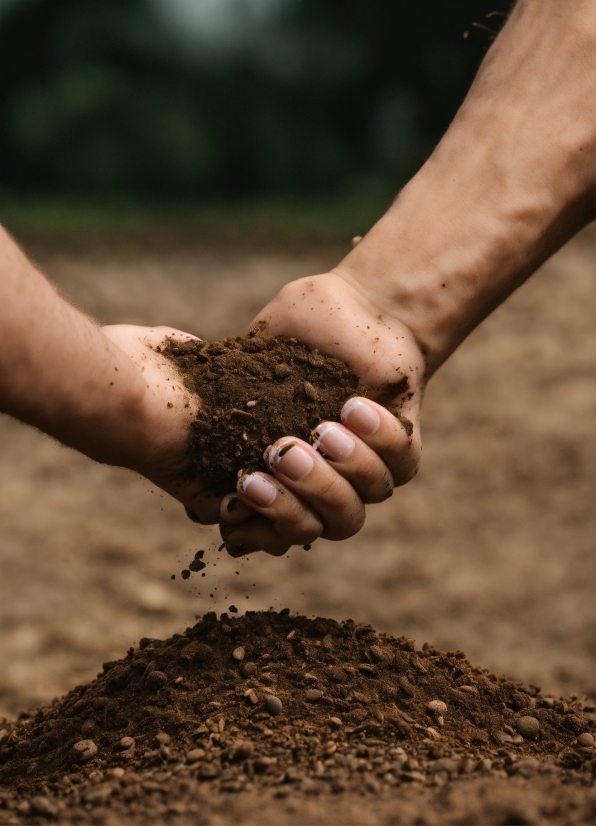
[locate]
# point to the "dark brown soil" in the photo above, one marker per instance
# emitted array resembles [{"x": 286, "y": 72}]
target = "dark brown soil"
[
  {"x": 287, "y": 707},
  {"x": 253, "y": 390}
]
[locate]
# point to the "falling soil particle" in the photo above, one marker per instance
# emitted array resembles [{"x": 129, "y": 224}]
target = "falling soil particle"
[
  {"x": 253, "y": 390},
  {"x": 187, "y": 722}
]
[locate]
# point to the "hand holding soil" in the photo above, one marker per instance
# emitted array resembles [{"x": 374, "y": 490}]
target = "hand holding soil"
[{"x": 368, "y": 453}]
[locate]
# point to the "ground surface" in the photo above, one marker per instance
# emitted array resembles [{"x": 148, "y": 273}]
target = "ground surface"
[{"x": 489, "y": 550}]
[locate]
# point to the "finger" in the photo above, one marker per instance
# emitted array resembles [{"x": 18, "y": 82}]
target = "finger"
[
  {"x": 303, "y": 471},
  {"x": 233, "y": 510},
  {"x": 293, "y": 520},
  {"x": 393, "y": 437},
  {"x": 355, "y": 461},
  {"x": 257, "y": 535}
]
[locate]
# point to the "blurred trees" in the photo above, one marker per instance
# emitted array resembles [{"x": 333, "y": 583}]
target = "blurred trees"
[{"x": 102, "y": 98}]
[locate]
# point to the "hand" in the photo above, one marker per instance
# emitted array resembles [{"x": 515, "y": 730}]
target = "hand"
[
  {"x": 167, "y": 410},
  {"x": 373, "y": 450}
]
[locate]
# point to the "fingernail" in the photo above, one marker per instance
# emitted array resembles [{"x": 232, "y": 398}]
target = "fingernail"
[
  {"x": 258, "y": 489},
  {"x": 333, "y": 443},
  {"x": 359, "y": 416},
  {"x": 291, "y": 460}
]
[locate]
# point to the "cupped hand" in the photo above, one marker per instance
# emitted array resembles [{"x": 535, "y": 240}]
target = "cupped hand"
[
  {"x": 321, "y": 490},
  {"x": 167, "y": 409}
]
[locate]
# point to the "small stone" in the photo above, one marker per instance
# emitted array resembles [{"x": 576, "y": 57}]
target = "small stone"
[
  {"x": 98, "y": 795},
  {"x": 163, "y": 739},
  {"x": 282, "y": 370},
  {"x": 313, "y": 695},
  {"x": 241, "y": 751},
  {"x": 239, "y": 653},
  {"x": 155, "y": 680},
  {"x": 126, "y": 743},
  {"x": 528, "y": 727},
  {"x": 117, "y": 773},
  {"x": 436, "y": 707},
  {"x": 83, "y": 751},
  {"x": 586, "y": 739},
  {"x": 43, "y": 806},
  {"x": 310, "y": 391},
  {"x": 381, "y": 654},
  {"x": 252, "y": 403},
  {"x": 194, "y": 755},
  {"x": 433, "y": 733},
  {"x": 485, "y": 765},
  {"x": 273, "y": 705},
  {"x": 443, "y": 764},
  {"x": 334, "y": 722},
  {"x": 248, "y": 669},
  {"x": 252, "y": 696}
]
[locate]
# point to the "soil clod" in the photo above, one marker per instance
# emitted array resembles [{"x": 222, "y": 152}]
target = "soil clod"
[{"x": 296, "y": 386}]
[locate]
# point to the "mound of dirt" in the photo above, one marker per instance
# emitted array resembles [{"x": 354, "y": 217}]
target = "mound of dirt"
[
  {"x": 255, "y": 389},
  {"x": 242, "y": 713}
]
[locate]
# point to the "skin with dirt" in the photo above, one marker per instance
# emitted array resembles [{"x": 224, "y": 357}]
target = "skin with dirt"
[
  {"x": 254, "y": 390},
  {"x": 288, "y": 706}
]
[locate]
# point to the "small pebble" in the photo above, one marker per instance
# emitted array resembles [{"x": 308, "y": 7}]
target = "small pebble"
[
  {"x": 239, "y": 653},
  {"x": 248, "y": 669},
  {"x": 528, "y": 727},
  {"x": 83, "y": 751},
  {"x": 313, "y": 695},
  {"x": 273, "y": 705},
  {"x": 252, "y": 403},
  {"x": 194, "y": 755},
  {"x": 586, "y": 739},
  {"x": 381, "y": 654},
  {"x": 282, "y": 370},
  {"x": 310, "y": 391},
  {"x": 334, "y": 722},
  {"x": 436, "y": 707},
  {"x": 252, "y": 696},
  {"x": 43, "y": 806},
  {"x": 155, "y": 680},
  {"x": 163, "y": 739},
  {"x": 126, "y": 743}
]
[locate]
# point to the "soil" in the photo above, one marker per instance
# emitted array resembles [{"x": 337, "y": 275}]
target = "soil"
[
  {"x": 284, "y": 707},
  {"x": 489, "y": 550},
  {"x": 255, "y": 389}
]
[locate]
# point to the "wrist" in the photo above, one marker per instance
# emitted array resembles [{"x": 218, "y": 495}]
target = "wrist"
[{"x": 510, "y": 182}]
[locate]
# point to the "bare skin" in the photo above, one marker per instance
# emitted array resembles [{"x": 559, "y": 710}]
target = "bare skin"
[{"x": 511, "y": 181}]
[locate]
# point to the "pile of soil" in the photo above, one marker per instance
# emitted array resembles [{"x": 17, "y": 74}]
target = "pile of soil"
[
  {"x": 268, "y": 718},
  {"x": 253, "y": 390}
]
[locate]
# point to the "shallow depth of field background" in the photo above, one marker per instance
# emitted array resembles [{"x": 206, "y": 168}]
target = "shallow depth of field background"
[{"x": 176, "y": 163}]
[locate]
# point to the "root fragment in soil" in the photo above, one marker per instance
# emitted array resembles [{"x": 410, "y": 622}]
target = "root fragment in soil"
[
  {"x": 267, "y": 709},
  {"x": 255, "y": 389}
]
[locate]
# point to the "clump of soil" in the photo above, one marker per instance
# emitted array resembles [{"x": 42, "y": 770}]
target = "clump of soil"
[
  {"x": 275, "y": 706},
  {"x": 255, "y": 389}
]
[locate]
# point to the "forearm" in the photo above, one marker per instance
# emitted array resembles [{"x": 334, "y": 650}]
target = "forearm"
[
  {"x": 511, "y": 181},
  {"x": 58, "y": 371}
]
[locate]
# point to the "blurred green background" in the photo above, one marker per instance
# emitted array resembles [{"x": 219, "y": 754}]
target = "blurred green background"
[{"x": 300, "y": 116}]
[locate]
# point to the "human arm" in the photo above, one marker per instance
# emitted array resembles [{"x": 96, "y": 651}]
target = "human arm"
[
  {"x": 510, "y": 182},
  {"x": 106, "y": 392}
]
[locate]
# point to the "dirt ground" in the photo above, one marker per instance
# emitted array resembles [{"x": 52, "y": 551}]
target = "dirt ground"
[{"x": 490, "y": 550}]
